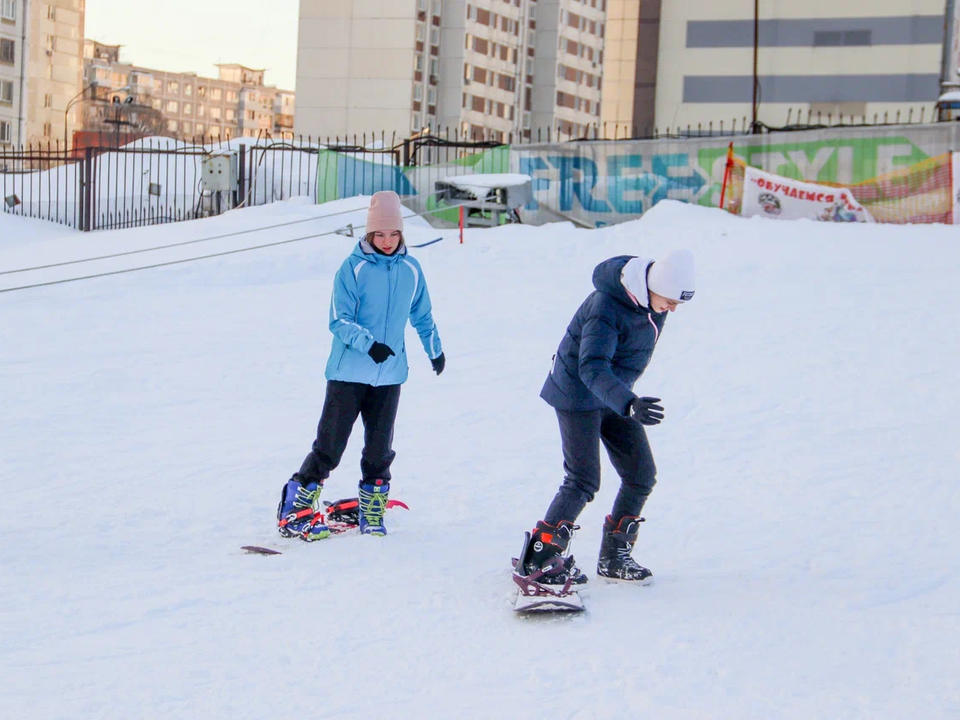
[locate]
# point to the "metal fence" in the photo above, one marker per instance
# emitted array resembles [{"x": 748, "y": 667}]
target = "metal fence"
[{"x": 590, "y": 179}]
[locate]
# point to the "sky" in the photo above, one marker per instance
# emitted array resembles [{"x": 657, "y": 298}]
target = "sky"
[{"x": 195, "y": 35}]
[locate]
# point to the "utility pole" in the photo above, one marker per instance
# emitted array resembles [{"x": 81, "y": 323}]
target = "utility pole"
[{"x": 756, "y": 53}]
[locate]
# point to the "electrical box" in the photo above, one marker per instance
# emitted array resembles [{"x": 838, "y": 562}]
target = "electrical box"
[{"x": 219, "y": 173}]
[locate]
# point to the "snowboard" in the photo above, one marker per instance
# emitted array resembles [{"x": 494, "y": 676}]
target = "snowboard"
[
  {"x": 536, "y": 597},
  {"x": 342, "y": 516}
]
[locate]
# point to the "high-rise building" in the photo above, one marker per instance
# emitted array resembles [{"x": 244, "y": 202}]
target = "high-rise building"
[
  {"x": 55, "y": 67},
  {"x": 490, "y": 68},
  {"x": 685, "y": 64},
  {"x": 13, "y": 72}
]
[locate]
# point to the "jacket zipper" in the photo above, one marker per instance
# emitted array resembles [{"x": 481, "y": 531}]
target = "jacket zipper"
[{"x": 386, "y": 320}]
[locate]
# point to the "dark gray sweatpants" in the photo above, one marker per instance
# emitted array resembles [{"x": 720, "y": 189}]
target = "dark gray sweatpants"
[{"x": 626, "y": 442}]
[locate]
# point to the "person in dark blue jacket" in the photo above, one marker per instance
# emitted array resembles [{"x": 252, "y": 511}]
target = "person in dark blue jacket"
[
  {"x": 605, "y": 350},
  {"x": 376, "y": 291}
]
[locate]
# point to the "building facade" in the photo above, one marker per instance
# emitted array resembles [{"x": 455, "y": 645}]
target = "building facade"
[
  {"x": 490, "y": 68},
  {"x": 40, "y": 69},
  {"x": 13, "y": 33},
  {"x": 184, "y": 105},
  {"x": 693, "y": 64},
  {"x": 54, "y": 69}
]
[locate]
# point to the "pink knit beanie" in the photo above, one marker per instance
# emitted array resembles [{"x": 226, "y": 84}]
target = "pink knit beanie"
[{"x": 386, "y": 212}]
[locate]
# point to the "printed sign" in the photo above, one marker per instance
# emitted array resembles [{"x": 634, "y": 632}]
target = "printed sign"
[{"x": 773, "y": 196}]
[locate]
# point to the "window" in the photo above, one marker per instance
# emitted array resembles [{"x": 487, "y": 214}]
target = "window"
[
  {"x": 172, "y": 125},
  {"x": 187, "y": 128},
  {"x": 157, "y": 85},
  {"x": 8, "y": 51},
  {"x": 431, "y": 96},
  {"x": 201, "y": 110},
  {"x": 48, "y": 100},
  {"x": 232, "y": 114},
  {"x": 6, "y": 92},
  {"x": 188, "y": 108},
  {"x": 202, "y": 91},
  {"x": 157, "y": 104},
  {"x": 434, "y": 66},
  {"x": 47, "y": 129},
  {"x": 6, "y": 132},
  {"x": 415, "y": 122},
  {"x": 51, "y": 12},
  {"x": 199, "y": 129},
  {"x": 251, "y": 115},
  {"x": 173, "y": 106},
  {"x": 434, "y": 36},
  {"x": 420, "y": 32},
  {"x": 418, "y": 63},
  {"x": 418, "y": 92},
  {"x": 8, "y": 10},
  {"x": 436, "y": 7},
  {"x": 188, "y": 90},
  {"x": 216, "y": 94},
  {"x": 215, "y": 113},
  {"x": 173, "y": 88},
  {"x": 234, "y": 96},
  {"x": 842, "y": 38},
  {"x": 252, "y": 97},
  {"x": 471, "y": 15}
]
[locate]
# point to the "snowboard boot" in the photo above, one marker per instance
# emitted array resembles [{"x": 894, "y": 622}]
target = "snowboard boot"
[
  {"x": 615, "y": 563},
  {"x": 297, "y": 514},
  {"x": 373, "y": 504},
  {"x": 546, "y": 543}
]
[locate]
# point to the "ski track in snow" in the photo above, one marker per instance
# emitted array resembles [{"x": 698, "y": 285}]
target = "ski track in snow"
[{"x": 802, "y": 533}]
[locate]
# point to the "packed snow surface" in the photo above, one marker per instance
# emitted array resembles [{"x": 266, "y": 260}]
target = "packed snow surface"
[{"x": 803, "y": 532}]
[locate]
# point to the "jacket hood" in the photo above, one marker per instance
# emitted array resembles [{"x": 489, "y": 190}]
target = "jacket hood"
[
  {"x": 368, "y": 252},
  {"x": 607, "y": 279}
]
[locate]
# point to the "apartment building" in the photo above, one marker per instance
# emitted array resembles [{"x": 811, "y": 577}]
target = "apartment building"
[
  {"x": 54, "y": 67},
  {"x": 13, "y": 28},
  {"x": 693, "y": 64},
  {"x": 235, "y": 104},
  {"x": 478, "y": 67},
  {"x": 40, "y": 68}
]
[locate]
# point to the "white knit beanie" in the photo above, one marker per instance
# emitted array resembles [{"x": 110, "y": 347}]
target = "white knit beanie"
[{"x": 673, "y": 277}]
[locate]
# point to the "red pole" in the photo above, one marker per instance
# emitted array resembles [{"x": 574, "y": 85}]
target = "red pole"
[
  {"x": 461, "y": 224},
  {"x": 726, "y": 174}
]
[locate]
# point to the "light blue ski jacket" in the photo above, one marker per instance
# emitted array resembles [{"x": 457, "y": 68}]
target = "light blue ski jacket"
[{"x": 373, "y": 296}]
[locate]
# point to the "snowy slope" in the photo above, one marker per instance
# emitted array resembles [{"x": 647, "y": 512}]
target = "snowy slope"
[{"x": 803, "y": 530}]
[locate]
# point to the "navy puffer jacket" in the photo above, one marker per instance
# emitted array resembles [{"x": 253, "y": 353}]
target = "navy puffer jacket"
[{"x": 607, "y": 346}]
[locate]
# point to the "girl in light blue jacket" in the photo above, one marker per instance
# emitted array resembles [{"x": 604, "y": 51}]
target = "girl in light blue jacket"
[{"x": 377, "y": 289}]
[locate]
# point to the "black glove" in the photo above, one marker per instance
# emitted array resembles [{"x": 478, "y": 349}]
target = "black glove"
[
  {"x": 645, "y": 410},
  {"x": 439, "y": 363},
  {"x": 379, "y": 352}
]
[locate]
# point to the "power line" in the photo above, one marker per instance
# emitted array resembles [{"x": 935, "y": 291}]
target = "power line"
[
  {"x": 179, "y": 244},
  {"x": 201, "y": 257}
]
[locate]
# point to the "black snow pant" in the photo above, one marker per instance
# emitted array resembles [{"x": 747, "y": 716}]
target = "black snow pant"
[
  {"x": 629, "y": 451},
  {"x": 377, "y": 406}
]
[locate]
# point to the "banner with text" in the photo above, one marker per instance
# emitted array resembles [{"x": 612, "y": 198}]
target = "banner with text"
[{"x": 772, "y": 196}]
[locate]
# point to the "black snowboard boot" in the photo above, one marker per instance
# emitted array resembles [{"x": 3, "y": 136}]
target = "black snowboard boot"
[
  {"x": 615, "y": 563},
  {"x": 546, "y": 543}
]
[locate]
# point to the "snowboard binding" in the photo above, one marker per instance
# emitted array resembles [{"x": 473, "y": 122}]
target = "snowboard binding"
[
  {"x": 537, "y": 596},
  {"x": 344, "y": 514}
]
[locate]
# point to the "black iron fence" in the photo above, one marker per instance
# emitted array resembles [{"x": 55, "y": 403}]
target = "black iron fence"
[{"x": 161, "y": 180}]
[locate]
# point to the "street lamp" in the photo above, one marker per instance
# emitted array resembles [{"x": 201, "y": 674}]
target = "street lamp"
[
  {"x": 118, "y": 121},
  {"x": 66, "y": 112}
]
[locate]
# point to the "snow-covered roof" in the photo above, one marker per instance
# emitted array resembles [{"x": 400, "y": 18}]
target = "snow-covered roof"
[{"x": 950, "y": 96}]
